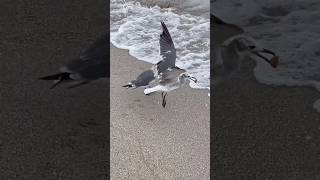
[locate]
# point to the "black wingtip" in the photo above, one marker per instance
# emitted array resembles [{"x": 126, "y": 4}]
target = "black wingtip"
[
  {"x": 165, "y": 32},
  {"x": 217, "y": 20},
  {"x": 57, "y": 78},
  {"x": 64, "y": 75},
  {"x": 128, "y": 86},
  {"x": 163, "y": 25},
  {"x": 51, "y": 77}
]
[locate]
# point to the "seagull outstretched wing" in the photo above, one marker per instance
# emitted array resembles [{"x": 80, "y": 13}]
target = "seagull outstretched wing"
[
  {"x": 222, "y": 30},
  {"x": 167, "y": 50}
]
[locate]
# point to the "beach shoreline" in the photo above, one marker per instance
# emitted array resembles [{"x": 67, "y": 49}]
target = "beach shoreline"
[{"x": 149, "y": 141}]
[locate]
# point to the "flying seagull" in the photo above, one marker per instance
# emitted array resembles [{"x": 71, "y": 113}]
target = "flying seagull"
[
  {"x": 168, "y": 53},
  {"x": 165, "y": 76},
  {"x": 91, "y": 65},
  {"x": 170, "y": 79},
  {"x": 231, "y": 47}
]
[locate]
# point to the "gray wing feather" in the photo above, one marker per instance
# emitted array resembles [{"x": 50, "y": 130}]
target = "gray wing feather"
[
  {"x": 92, "y": 63},
  {"x": 167, "y": 50},
  {"x": 144, "y": 78}
]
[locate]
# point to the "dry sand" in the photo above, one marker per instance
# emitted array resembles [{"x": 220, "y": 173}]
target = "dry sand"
[
  {"x": 264, "y": 132},
  {"x": 151, "y": 142}
]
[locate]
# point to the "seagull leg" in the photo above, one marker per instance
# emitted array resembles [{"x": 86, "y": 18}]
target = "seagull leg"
[
  {"x": 56, "y": 83},
  {"x": 162, "y": 98},
  {"x": 164, "y": 102}
]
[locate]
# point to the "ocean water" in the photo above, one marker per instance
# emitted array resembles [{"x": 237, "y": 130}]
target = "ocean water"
[
  {"x": 135, "y": 26},
  {"x": 291, "y": 28}
]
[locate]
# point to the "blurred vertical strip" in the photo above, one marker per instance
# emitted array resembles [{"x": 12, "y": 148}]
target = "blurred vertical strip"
[{"x": 59, "y": 133}]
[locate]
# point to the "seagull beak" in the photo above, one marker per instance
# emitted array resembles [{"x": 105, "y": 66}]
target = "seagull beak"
[
  {"x": 193, "y": 79},
  {"x": 274, "y": 61}
]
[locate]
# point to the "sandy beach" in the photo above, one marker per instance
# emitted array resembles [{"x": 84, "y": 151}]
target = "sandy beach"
[
  {"x": 58, "y": 133},
  {"x": 151, "y": 142},
  {"x": 264, "y": 132}
]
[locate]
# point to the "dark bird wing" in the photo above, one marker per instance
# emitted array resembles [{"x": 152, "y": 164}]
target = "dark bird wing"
[
  {"x": 92, "y": 64},
  {"x": 142, "y": 80},
  {"x": 167, "y": 50},
  {"x": 222, "y": 31}
]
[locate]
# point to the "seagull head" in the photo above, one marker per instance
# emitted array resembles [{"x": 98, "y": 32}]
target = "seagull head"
[
  {"x": 187, "y": 76},
  {"x": 246, "y": 46}
]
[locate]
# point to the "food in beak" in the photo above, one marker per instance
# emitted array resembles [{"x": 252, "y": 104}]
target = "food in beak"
[{"x": 274, "y": 61}]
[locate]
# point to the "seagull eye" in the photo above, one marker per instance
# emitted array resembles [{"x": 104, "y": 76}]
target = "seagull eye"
[{"x": 251, "y": 47}]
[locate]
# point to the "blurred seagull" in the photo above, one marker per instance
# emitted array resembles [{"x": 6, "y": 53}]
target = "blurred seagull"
[
  {"x": 164, "y": 75},
  {"x": 90, "y": 66},
  {"x": 231, "y": 47}
]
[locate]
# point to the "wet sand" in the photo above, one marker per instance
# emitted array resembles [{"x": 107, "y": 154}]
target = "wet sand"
[
  {"x": 151, "y": 142},
  {"x": 264, "y": 132}
]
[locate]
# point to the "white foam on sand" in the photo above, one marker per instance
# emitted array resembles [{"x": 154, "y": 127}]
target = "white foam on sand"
[{"x": 137, "y": 28}]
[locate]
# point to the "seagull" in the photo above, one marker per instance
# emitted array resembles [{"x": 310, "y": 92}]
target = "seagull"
[
  {"x": 168, "y": 53},
  {"x": 90, "y": 66},
  {"x": 170, "y": 79},
  {"x": 165, "y": 76},
  {"x": 231, "y": 47}
]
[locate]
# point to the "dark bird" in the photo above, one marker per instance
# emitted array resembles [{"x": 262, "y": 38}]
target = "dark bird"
[{"x": 92, "y": 64}]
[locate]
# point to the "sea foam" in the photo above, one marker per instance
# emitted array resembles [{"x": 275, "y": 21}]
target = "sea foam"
[{"x": 137, "y": 28}]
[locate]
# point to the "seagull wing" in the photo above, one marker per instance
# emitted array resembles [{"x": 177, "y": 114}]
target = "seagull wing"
[
  {"x": 144, "y": 78},
  {"x": 222, "y": 30},
  {"x": 98, "y": 50},
  {"x": 91, "y": 69},
  {"x": 167, "y": 50},
  {"x": 92, "y": 63}
]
